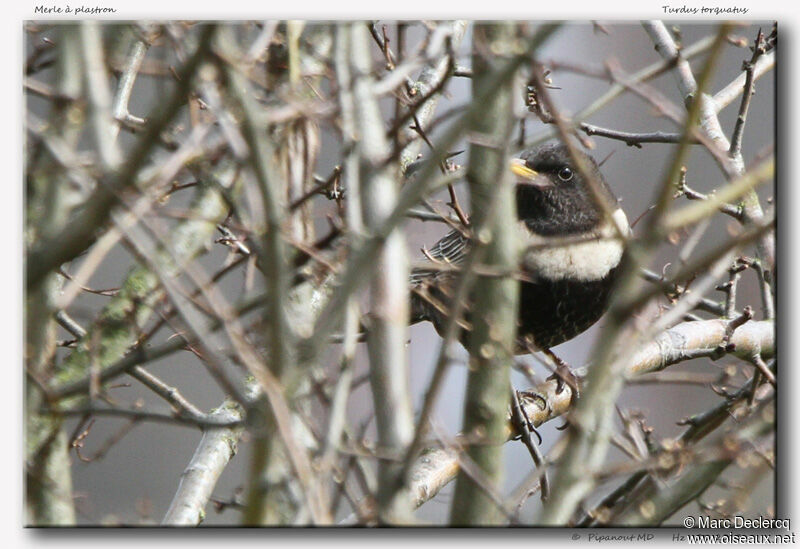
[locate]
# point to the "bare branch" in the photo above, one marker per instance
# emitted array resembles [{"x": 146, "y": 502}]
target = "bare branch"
[
  {"x": 436, "y": 468},
  {"x": 200, "y": 476},
  {"x": 493, "y": 332},
  {"x": 388, "y": 316}
]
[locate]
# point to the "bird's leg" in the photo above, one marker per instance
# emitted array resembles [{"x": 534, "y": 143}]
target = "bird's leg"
[
  {"x": 524, "y": 427},
  {"x": 520, "y": 416},
  {"x": 563, "y": 375}
]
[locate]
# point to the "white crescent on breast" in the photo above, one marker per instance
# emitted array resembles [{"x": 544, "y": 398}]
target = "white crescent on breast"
[{"x": 591, "y": 258}]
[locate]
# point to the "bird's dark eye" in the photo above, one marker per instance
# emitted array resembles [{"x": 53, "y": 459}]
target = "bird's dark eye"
[{"x": 565, "y": 173}]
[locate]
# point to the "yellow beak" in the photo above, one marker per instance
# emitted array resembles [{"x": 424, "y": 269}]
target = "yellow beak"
[{"x": 519, "y": 168}]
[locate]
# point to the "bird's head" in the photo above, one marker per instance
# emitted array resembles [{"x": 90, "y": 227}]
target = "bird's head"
[{"x": 553, "y": 197}]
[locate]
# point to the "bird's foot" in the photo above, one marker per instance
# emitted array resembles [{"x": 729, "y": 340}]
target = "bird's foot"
[
  {"x": 520, "y": 416},
  {"x": 564, "y": 376}
]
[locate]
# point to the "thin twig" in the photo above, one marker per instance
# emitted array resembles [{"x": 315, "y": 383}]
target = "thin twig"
[
  {"x": 632, "y": 139},
  {"x": 759, "y": 48},
  {"x": 127, "y": 79},
  {"x": 724, "y": 207}
]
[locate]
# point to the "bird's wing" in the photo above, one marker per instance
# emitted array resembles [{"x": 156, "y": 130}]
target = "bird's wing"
[
  {"x": 452, "y": 248},
  {"x": 449, "y": 251}
]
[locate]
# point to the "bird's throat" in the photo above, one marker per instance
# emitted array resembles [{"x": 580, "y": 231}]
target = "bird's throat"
[
  {"x": 585, "y": 261},
  {"x": 583, "y": 257}
]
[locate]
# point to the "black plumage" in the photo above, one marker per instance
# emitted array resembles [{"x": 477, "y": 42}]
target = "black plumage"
[{"x": 571, "y": 255}]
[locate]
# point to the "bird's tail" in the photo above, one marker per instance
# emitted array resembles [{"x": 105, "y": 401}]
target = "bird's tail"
[
  {"x": 419, "y": 280},
  {"x": 418, "y": 310}
]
